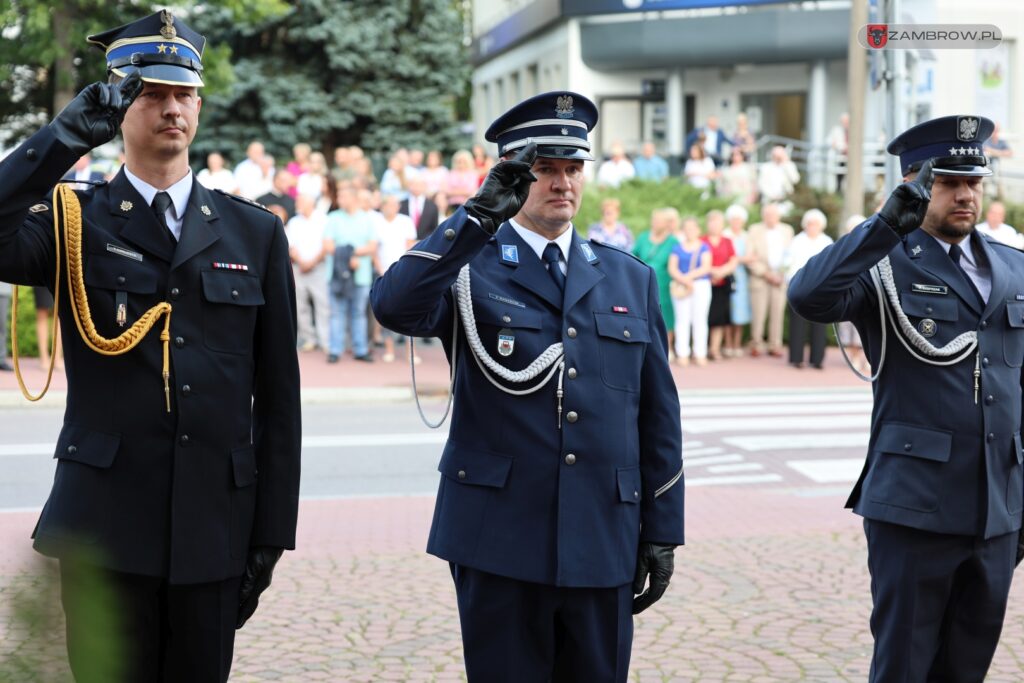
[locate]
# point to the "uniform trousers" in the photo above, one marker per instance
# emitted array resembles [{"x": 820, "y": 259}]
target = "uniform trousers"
[
  {"x": 939, "y": 601},
  {"x": 129, "y": 628},
  {"x": 692, "y": 317},
  {"x": 311, "y": 305},
  {"x": 799, "y": 330},
  {"x": 520, "y": 632},
  {"x": 767, "y": 304}
]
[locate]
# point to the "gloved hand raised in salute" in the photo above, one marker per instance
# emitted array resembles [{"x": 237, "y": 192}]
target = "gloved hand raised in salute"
[
  {"x": 504, "y": 190},
  {"x": 905, "y": 209},
  {"x": 95, "y": 115}
]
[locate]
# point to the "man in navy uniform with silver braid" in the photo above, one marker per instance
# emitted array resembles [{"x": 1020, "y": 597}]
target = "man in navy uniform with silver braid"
[
  {"x": 561, "y": 490},
  {"x": 940, "y": 309}
]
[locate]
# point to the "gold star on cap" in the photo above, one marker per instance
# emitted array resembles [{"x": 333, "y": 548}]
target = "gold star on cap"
[
  {"x": 161, "y": 48},
  {"x": 126, "y": 205},
  {"x": 206, "y": 210},
  {"x": 174, "y": 49}
]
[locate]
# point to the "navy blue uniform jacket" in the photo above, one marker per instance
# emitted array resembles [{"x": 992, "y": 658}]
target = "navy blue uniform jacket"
[
  {"x": 511, "y": 500},
  {"x": 936, "y": 461},
  {"x": 184, "y": 494}
]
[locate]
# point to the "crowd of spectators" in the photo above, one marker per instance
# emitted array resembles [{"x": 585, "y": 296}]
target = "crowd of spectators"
[{"x": 345, "y": 226}]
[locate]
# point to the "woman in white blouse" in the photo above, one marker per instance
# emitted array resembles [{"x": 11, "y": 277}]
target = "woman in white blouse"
[{"x": 810, "y": 241}]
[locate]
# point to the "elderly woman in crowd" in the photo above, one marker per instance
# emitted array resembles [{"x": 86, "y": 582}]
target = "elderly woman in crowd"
[
  {"x": 653, "y": 248},
  {"x": 610, "y": 230},
  {"x": 739, "y": 302},
  {"x": 723, "y": 264},
  {"x": 689, "y": 264},
  {"x": 809, "y": 242}
]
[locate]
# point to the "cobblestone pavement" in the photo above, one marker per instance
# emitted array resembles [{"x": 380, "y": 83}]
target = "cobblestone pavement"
[{"x": 771, "y": 586}]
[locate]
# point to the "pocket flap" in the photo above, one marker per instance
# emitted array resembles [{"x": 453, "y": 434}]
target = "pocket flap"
[
  {"x": 86, "y": 446},
  {"x": 118, "y": 273},
  {"x": 624, "y": 328},
  {"x": 243, "y": 461},
  {"x": 474, "y": 466},
  {"x": 929, "y": 306},
  {"x": 1015, "y": 313},
  {"x": 232, "y": 287},
  {"x": 506, "y": 316},
  {"x": 919, "y": 442},
  {"x": 629, "y": 484}
]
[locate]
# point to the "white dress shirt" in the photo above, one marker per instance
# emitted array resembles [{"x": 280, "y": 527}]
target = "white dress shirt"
[
  {"x": 537, "y": 242},
  {"x": 179, "y": 192},
  {"x": 980, "y": 275}
]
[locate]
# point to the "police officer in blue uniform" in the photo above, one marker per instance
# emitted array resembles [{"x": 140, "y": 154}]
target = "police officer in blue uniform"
[
  {"x": 561, "y": 482},
  {"x": 179, "y": 502},
  {"x": 940, "y": 308}
]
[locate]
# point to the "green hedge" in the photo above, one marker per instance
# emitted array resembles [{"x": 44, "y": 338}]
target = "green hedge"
[{"x": 27, "y": 345}]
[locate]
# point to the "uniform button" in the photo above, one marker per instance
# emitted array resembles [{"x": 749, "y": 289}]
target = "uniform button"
[
  {"x": 234, "y": 293},
  {"x": 984, "y": 361},
  {"x": 183, "y": 439},
  {"x": 186, "y": 389},
  {"x": 990, "y": 437},
  {"x": 570, "y": 459},
  {"x": 928, "y": 309},
  {"x": 179, "y": 342},
  {"x": 571, "y": 332},
  {"x": 506, "y": 319},
  {"x": 121, "y": 279},
  {"x": 626, "y": 334},
  {"x": 990, "y": 399},
  {"x": 572, "y": 373},
  {"x": 72, "y": 450},
  {"x": 31, "y": 154},
  {"x": 636, "y": 494},
  {"x": 908, "y": 446},
  {"x": 449, "y": 234},
  {"x": 571, "y": 416},
  {"x": 175, "y": 292},
  {"x": 984, "y": 324},
  {"x": 462, "y": 474}
]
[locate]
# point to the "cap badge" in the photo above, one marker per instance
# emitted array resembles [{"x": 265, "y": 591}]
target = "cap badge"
[
  {"x": 126, "y": 205},
  {"x": 565, "y": 131},
  {"x": 967, "y": 128},
  {"x": 205, "y": 209},
  {"x": 167, "y": 31},
  {"x": 563, "y": 107}
]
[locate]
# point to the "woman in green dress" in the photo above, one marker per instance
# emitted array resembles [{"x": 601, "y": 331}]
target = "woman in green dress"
[{"x": 653, "y": 248}]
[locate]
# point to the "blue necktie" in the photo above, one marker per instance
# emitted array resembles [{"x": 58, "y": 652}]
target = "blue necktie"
[
  {"x": 552, "y": 257},
  {"x": 955, "y": 252}
]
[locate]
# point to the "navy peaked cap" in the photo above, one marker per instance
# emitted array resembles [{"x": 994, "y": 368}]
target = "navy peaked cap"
[
  {"x": 558, "y": 122},
  {"x": 955, "y": 142},
  {"x": 161, "y": 47}
]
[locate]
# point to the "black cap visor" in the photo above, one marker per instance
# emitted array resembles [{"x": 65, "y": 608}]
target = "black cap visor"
[
  {"x": 169, "y": 74},
  {"x": 550, "y": 152},
  {"x": 958, "y": 165}
]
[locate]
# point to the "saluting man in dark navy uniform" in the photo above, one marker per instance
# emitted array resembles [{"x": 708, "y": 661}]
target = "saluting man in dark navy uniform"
[
  {"x": 561, "y": 486},
  {"x": 940, "y": 308},
  {"x": 178, "y": 493}
]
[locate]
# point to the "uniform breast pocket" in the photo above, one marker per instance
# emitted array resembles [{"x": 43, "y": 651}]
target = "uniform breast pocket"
[
  {"x": 117, "y": 287},
  {"x": 231, "y": 300},
  {"x": 1013, "y": 340},
  {"x": 508, "y": 332},
  {"x": 623, "y": 341}
]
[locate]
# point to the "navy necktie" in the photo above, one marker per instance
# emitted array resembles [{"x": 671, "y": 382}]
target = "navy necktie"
[
  {"x": 552, "y": 257},
  {"x": 162, "y": 202},
  {"x": 955, "y": 252}
]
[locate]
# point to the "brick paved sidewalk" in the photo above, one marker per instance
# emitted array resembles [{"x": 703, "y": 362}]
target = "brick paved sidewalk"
[{"x": 771, "y": 586}]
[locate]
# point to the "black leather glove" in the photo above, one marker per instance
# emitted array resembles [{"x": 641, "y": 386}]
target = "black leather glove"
[
  {"x": 504, "y": 190},
  {"x": 1020, "y": 547},
  {"x": 259, "y": 569},
  {"x": 658, "y": 561},
  {"x": 94, "y": 116},
  {"x": 905, "y": 209}
]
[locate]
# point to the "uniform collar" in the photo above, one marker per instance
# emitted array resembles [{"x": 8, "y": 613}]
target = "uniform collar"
[
  {"x": 179, "y": 191},
  {"x": 965, "y": 245},
  {"x": 537, "y": 242}
]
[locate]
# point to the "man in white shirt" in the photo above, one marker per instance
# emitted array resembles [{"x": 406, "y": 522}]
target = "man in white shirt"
[
  {"x": 251, "y": 176},
  {"x": 617, "y": 169},
  {"x": 396, "y": 234},
  {"x": 994, "y": 227},
  {"x": 308, "y": 252},
  {"x": 215, "y": 176},
  {"x": 777, "y": 177},
  {"x": 767, "y": 242}
]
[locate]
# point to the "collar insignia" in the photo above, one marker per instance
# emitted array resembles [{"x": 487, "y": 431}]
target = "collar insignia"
[
  {"x": 588, "y": 252},
  {"x": 206, "y": 210},
  {"x": 916, "y": 250},
  {"x": 126, "y": 205},
  {"x": 510, "y": 253}
]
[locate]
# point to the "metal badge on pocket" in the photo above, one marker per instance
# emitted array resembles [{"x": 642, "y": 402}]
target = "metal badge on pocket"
[{"x": 927, "y": 327}]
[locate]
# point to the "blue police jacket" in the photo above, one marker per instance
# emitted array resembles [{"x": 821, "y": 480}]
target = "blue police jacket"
[
  {"x": 938, "y": 460},
  {"x": 519, "y": 496},
  {"x": 181, "y": 494}
]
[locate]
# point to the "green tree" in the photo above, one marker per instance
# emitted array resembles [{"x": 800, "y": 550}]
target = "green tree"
[{"x": 338, "y": 72}]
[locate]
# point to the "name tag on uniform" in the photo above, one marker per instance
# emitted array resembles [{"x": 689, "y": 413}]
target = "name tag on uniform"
[
  {"x": 930, "y": 289},
  {"x": 1020, "y": 297},
  {"x": 505, "y": 300},
  {"x": 127, "y": 253}
]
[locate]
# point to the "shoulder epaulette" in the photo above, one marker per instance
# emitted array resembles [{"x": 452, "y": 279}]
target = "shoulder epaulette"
[
  {"x": 244, "y": 200},
  {"x": 610, "y": 247}
]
